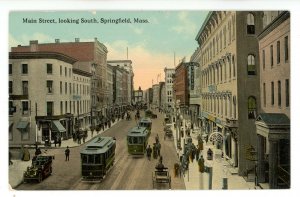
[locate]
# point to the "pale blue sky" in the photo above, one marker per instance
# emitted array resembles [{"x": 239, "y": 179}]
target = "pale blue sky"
[{"x": 155, "y": 42}]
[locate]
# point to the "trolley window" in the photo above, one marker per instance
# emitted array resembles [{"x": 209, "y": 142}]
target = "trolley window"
[
  {"x": 97, "y": 159},
  {"x": 84, "y": 158},
  {"x": 90, "y": 158}
]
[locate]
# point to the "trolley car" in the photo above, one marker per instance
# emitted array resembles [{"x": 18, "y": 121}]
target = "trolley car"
[
  {"x": 137, "y": 140},
  {"x": 146, "y": 122},
  {"x": 97, "y": 158}
]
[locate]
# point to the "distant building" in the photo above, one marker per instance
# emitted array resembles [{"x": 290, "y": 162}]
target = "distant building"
[
  {"x": 155, "y": 97},
  {"x": 138, "y": 96},
  {"x": 127, "y": 65},
  {"x": 169, "y": 77},
  {"x": 180, "y": 86}
]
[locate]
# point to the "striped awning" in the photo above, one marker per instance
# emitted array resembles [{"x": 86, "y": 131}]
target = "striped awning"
[{"x": 58, "y": 127}]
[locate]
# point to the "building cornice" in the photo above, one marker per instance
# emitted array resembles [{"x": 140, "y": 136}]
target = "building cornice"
[
  {"x": 274, "y": 24},
  {"x": 81, "y": 72},
  {"x": 42, "y": 55}
]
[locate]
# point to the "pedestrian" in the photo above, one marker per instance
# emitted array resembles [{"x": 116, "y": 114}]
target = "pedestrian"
[
  {"x": 158, "y": 146},
  {"x": 157, "y": 138},
  {"x": 55, "y": 141},
  {"x": 149, "y": 151},
  {"x": 201, "y": 164},
  {"x": 67, "y": 153},
  {"x": 59, "y": 141}
]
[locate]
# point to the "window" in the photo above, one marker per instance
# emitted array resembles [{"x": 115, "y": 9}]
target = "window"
[
  {"x": 60, "y": 87},
  {"x": 11, "y": 108},
  {"x": 24, "y": 68},
  {"x": 49, "y": 87},
  {"x": 49, "y": 108},
  {"x": 224, "y": 32},
  {"x": 65, "y": 71},
  {"x": 250, "y": 24},
  {"x": 251, "y": 107},
  {"x": 287, "y": 93},
  {"x": 251, "y": 65},
  {"x": 60, "y": 69},
  {"x": 10, "y": 88},
  {"x": 70, "y": 88},
  {"x": 271, "y": 56},
  {"x": 264, "y": 59},
  {"x": 278, "y": 52},
  {"x": 49, "y": 68},
  {"x": 25, "y": 107},
  {"x": 286, "y": 48},
  {"x": 10, "y": 69},
  {"x": 61, "y": 107},
  {"x": 25, "y": 134},
  {"x": 66, "y": 106},
  {"x": 66, "y": 88},
  {"x": 272, "y": 93},
  {"x": 279, "y": 93},
  {"x": 233, "y": 65},
  {"x": 25, "y": 87},
  {"x": 264, "y": 94},
  {"x": 69, "y": 72}
]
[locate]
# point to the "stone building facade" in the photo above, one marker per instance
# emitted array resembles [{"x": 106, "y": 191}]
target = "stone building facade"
[
  {"x": 230, "y": 81},
  {"x": 45, "y": 94},
  {"x": 169, "y": 77},
  {"x": 273, "y": 122}
]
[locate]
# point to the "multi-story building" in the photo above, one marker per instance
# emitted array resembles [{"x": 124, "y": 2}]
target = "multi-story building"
[
  {"x": 127, "y": 65},
  {"x": 195, "y": 91},
  {"x": 46, "y": 97},
  {"x": 138, "y": 96},
  {"x": 169, "y": 77},
  {"x": 162, "y": 95},
  {"x": 273, "y": 123},
  {"x": 110, "y": 83},
  {"x": 117, "y": 89},
  {"x": 180, "y": 86},
  {"x": 230, "y": 81},
  {"x": 91, "y": 58},
  {"x": 155, "y": 95}
]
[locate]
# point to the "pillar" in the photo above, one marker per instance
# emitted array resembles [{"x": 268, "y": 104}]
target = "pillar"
[
  {"x": 260, "y": 160},
  {"x": 273, "y": 163}
]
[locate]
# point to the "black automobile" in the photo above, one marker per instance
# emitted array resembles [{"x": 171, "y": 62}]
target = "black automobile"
[{"x": 40, "y": 169}]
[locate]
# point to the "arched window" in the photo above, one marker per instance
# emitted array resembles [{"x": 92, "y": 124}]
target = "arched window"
[
  {"x": 251, "y": 65},
  {"x": 251, "y": 107},
  {"x": 250, "y": 24}
]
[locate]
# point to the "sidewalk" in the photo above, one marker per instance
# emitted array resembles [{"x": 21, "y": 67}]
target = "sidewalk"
[
  {"x": 17, "y": 169},
  {"x": 194, "y": 180}
]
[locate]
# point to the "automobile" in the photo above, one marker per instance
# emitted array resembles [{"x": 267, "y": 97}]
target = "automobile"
[
  {"x": 40, "y": 169},
  {"x": 150, "y": 114}
]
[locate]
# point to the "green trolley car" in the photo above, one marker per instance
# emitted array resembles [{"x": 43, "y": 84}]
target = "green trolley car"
[
  {"x": 137, "y": 140},
  {"x": 97, "y": 158},
  {"x": 146, "y": 122}
]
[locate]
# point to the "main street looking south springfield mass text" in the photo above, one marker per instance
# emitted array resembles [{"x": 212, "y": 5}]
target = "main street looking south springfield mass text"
[{"x": 85, "y": 20}]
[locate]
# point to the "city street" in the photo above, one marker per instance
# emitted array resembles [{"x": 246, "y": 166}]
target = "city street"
[{"x": 128, "y": 173}]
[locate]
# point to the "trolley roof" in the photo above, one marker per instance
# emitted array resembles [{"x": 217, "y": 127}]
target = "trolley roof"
[
  {"x": 98, "y": 145},
  {"x": 138, "y": 131}
]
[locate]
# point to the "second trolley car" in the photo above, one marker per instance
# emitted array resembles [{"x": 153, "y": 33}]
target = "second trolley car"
[
  {"x": 97, "y": 158},
  {"x": 146, "y": 122},
  {"x": 137, "y": 140}
]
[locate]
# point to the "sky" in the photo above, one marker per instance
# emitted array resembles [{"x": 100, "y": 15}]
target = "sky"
[{"x": 151, "y": 46}]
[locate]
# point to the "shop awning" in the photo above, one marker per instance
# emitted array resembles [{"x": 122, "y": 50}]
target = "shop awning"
[
  {"x": 22, "y": 124},
  {"x": 58, "y": 127}
]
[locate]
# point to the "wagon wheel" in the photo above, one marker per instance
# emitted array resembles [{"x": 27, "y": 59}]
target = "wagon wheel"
[{"x": 40, "y": 178}]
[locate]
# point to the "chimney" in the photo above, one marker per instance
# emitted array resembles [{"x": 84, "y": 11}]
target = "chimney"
[
  {"x": 33, "y": 45},
  {"x": 95, "y": 39},
  {"x": 33, "y": 42},
  {"x": 77, "y": 40},
  {"x": 57, "y": 41}
]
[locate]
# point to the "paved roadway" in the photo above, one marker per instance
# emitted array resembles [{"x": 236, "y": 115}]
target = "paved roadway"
[{"x": 128, "y": 173}]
